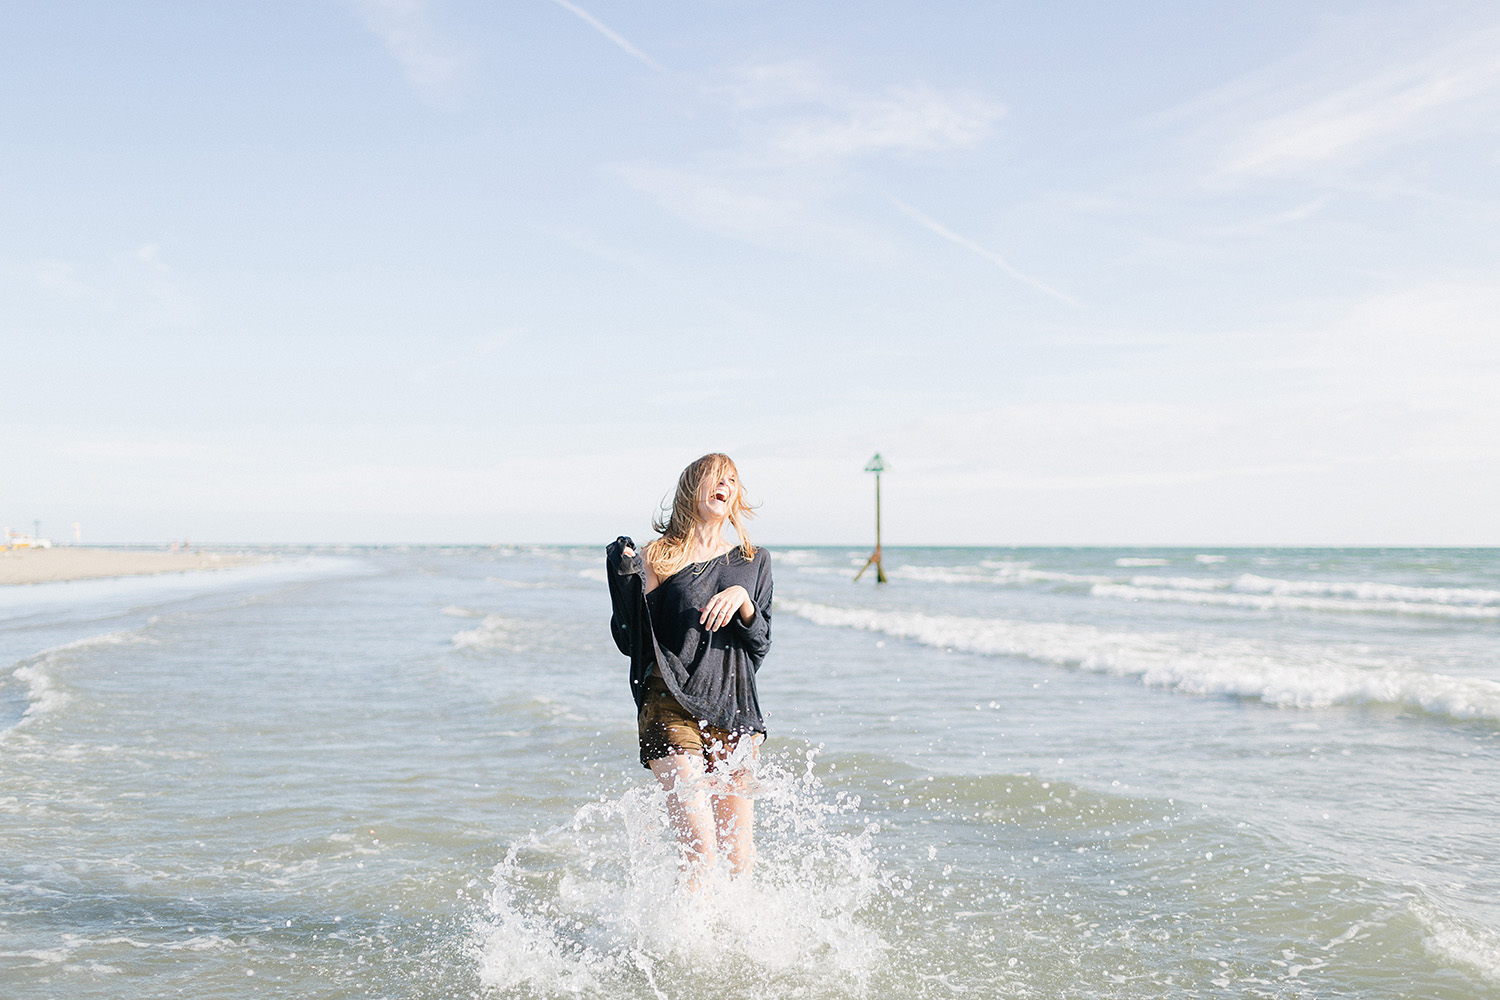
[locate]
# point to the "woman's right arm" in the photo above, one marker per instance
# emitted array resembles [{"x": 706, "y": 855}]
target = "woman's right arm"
[{"x": 620, "y": 571}]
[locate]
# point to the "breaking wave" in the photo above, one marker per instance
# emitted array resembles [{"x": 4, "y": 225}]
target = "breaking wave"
[
  {"x": 1251, "y": 591},
  {"x": 1292, "y": 675},
  {"x": 42, "y": 694}
]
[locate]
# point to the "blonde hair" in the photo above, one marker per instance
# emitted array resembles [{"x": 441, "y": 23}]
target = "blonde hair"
[{"x": 669, "y": 553}]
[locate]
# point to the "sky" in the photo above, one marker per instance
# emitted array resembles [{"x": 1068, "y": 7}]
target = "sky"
[{"x": 448, "y": 271}]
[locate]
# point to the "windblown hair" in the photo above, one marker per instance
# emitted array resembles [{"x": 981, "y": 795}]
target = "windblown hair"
[{"x": 669, "y": 553}]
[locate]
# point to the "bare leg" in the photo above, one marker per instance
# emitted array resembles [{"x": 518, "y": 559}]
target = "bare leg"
[
  {"x": 734, "y": 823},
  {"x": 734, "y": 809},
  {"x": 692, "y": 818}
]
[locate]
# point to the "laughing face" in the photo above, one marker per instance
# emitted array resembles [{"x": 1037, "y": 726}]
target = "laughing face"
[{"x": 716, "y": 495}]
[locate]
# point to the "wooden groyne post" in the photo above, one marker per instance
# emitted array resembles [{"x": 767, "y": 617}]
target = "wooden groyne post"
[{"x": 877, "y": 466}]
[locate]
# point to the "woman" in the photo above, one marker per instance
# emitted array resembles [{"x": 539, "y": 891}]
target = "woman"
[{"x": 693, "y": 613}]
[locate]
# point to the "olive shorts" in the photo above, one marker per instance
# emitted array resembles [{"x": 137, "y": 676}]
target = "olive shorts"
[{"x": 666, "y": 728}]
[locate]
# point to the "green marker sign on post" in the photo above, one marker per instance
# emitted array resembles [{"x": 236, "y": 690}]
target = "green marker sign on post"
[{"x": 877, "y": 466}]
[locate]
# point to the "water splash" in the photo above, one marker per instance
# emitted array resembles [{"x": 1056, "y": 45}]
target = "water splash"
[{"x": 594, "y": 907}]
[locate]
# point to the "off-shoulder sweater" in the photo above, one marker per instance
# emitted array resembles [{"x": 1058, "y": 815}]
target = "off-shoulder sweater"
[{"x": 711, "y": 674}]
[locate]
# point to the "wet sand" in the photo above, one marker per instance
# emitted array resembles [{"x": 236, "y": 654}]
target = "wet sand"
[{"x": 58, "y": 564}]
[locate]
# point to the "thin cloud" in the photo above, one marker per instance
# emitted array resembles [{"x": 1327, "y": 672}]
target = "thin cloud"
[
  {"x": 1381, "y": 110},
  {"x": 613, "y": 36},
  {"x": 931, "y": 224},
  {"x": 763, "y": 210},
  {"x": 805, "y": 138},
  {"x": 905, "y": 119},
  {"x": 1264, "y": 225},
  {"x": 434, "y": 66},
  {"x": 813, "y": 118},
  {"x": 61, "y": 276},
  {"x": 136, "y": 287}
]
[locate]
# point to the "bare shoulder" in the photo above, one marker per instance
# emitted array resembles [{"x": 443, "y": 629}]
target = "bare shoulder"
[{"x": 651, "y": 580}]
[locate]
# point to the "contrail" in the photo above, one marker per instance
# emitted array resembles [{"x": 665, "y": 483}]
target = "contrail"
[
  {"x": 928, "y": 222},
  {"x": 600, "y": 27}
]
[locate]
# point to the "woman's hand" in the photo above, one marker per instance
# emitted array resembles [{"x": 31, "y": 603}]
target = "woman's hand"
[{"x": 722, "y": 606}]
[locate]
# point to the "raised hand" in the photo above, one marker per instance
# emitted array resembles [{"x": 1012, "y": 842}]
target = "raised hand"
[{"x": 721, "y": 607}]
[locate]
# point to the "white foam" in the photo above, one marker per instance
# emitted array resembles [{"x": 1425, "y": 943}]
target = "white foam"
[
  {"x": 1005, "y": 574},
  {"x": 42, "y": 694},
  {"x": 838, "y": 571},
  {"x": 1452, "y": 940},
  {"x": 1366, "y": 591},
  {"x": 494, "y": 632},
  {"x": 593, "y": 906},
  {"x": 1289, "y": 675},
  {"x": 945, "y": 574},
  {"x": 454, "y": 611},
  {"x": 1199, "y": 593},
  {"x": 1247, "y": 590},
  {"x": 43, "y": 697},
  {"x": 1179, "y": 582},
  {"x": 504, "y": 633}
]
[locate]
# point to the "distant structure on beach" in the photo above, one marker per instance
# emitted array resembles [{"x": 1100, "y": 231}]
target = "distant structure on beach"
[
  {"x": 17, "y": 540},
  {"x": 877, "y": 466}
]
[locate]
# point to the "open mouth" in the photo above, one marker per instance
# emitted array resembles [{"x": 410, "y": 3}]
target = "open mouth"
[{"x": 721, "y": 495}]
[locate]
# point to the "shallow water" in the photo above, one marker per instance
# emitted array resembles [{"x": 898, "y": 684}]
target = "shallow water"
[{"x": 1011, "y": 773}]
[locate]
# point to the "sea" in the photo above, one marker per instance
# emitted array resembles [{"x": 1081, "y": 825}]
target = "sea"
[{"x": 1007, "y": 772}]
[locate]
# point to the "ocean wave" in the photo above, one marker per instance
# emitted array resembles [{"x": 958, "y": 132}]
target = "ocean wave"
[
  {"x": 1290, "y": 676},
  {"x": 1245, "y": 590},
  {"x": 945, "y": 574},
  {"x": 1266, "y": 594},
  {"x": 1178, "y": 582},
  {"x": 839, "y": 571},
  {"x": 494, "y": 632},
  {"x": 43, "y": 696},
  {"x": 503, "y": 633},
  {"x": 1367, "y": 591},
  {"x": 1465, "y": 944},
  {"x": 533, "y": 584},
  {"x": 1009, "y": 574}
]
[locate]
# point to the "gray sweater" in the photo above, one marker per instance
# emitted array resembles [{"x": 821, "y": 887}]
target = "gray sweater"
[{"x": 711, "y": 674}]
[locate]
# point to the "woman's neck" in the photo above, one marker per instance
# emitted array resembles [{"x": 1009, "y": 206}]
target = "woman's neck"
[{"x": 708, "y": 541}]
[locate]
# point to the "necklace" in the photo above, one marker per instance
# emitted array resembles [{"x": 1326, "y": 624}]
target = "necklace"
[{"x": 699, "y": 567}]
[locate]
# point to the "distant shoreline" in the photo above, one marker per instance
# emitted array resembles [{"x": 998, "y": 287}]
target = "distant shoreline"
[{"x": 57, "y": 565}]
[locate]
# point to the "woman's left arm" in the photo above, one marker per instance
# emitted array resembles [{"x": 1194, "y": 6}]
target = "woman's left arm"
[
  {"x": 729, "y": 603},
  {"x": 755, "y": 628}
]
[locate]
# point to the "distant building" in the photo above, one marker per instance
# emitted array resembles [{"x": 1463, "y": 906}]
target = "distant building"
[{"x": 17, "y": 540}]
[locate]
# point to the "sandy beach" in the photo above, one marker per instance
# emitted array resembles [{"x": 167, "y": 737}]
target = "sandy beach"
[{"x": 53, "y": 565}]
